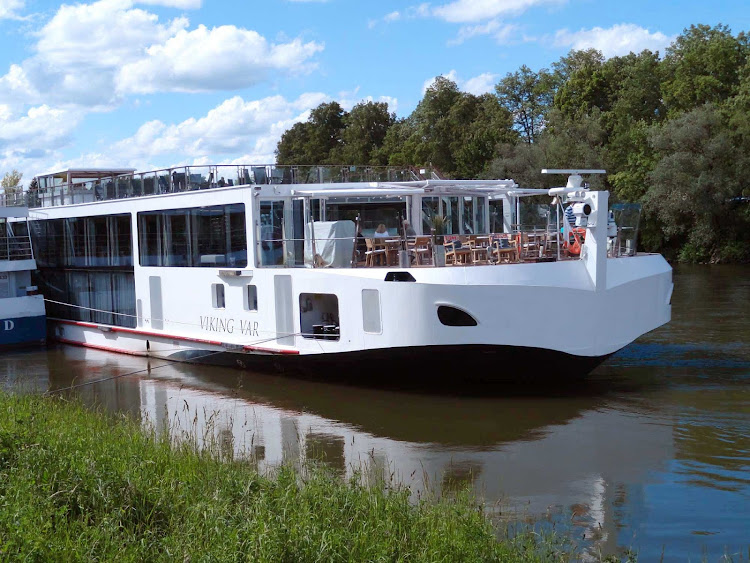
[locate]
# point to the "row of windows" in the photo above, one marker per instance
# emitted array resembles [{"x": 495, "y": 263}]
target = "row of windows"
[
  {"x": 100, "y": 241},
  {"x": 93, "y": 296},
  {"x": 200, "y": 237}
]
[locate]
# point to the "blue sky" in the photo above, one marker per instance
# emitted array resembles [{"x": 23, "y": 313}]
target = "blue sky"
[{"x": 166, "y": 82}]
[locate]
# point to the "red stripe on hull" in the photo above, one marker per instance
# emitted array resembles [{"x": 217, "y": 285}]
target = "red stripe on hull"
[
  {"x": 110, "y": 328},
  {"x": 98, "y": 347}
]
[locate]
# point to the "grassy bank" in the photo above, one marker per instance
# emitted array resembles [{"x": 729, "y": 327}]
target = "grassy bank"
[{"x": 77, "y": 485}]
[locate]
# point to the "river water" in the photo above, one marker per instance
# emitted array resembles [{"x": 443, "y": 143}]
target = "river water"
[{"x": 651, "y": 453}]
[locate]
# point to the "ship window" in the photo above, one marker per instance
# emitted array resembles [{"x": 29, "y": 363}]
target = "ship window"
[
  {"x": 271, "y": 233},
  {"x": 198, "y": 237},
  {"x": 251, "y": 297},
  {"x": 217, "y": 294},
  {"x": 371, "y": 321},
  {"x": 94, "y": 295},
  {"x": 99, "y": 241},
  {"x": 319, "y": 316}
]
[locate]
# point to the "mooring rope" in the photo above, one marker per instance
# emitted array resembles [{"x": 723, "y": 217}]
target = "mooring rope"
[{"x": 276, "y": 335}]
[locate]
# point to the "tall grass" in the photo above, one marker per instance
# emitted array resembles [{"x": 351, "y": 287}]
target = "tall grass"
[{"x": 79, "y": 485}]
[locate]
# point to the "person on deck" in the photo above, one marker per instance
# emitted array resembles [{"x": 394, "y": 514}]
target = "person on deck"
[
  {"x": 569, "y": 216},
  {"x": 381, "y": 231},
  {"x": 409, "y": 230}
]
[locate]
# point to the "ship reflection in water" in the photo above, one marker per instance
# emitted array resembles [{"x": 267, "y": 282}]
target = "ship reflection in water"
[
  {"x": 619, "y": 468},
  {"x": 650, "y": 453}
]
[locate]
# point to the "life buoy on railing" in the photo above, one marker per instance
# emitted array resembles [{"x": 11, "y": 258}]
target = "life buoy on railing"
[{"x": 579, "y": 237}]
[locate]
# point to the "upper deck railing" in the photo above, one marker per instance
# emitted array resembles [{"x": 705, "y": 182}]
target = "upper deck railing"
[
  {"x": 15, "y": 248},
  {"x": 54, "y": 190},
  {"x": 13, "y": 199}
]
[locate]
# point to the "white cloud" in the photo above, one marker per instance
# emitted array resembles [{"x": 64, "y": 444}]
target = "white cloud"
[
  {"x": 16, "y": 88},
  {"x": 91, "y": 55},
  {"x": 392, "y": 17},
  {"x": 502, "y": 33},
  {"x": 477, "y": 85},
  {"x": 222, "y": 58},
  {"x": 228, "y": 129},
  {"x": 617, "y": 40},
  {"x": 26, "y": 139},
  {"x": 180, "y": 4},
  {"x": 9, "y": 8},
  {"x": 464, "y": 11},
  {"x": 104, "y": 34},
  {"x": 481, "y": 84},
  {"x": 412, "y": 12}
]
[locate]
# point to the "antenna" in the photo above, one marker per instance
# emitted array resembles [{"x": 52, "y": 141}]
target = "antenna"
[{"x": 574, "y": 179}]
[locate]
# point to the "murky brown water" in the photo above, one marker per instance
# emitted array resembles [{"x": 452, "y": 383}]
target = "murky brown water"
[{"x": 651, "y": 453}]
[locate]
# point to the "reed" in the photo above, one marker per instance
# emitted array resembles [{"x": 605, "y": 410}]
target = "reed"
[{"x": 82, "y": 485}]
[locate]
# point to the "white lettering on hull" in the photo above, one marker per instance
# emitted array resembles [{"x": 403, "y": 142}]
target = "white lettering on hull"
[
  {"x": 9, "y": 325},
  {"x": 218, "y": 324}
]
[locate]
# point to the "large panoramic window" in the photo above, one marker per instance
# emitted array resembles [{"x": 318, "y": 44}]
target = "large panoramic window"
[
  {"x": 100, "y": 241},
  {"x": 198, "y": 237}
]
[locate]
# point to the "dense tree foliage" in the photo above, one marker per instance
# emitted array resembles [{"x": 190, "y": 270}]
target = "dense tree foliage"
[{"x": 672, "y": 132}]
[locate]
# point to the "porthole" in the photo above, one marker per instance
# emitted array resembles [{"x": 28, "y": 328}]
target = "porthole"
[{"x": 452, "y": 316}]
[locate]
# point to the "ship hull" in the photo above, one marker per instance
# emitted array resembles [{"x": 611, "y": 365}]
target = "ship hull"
[{"x": 22, "y": 321}]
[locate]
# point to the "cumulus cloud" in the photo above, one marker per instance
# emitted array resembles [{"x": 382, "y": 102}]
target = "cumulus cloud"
[
  {"x": 92, "y": 55},
  {"x": 180, "y": 4},
  {"x": 101, "y": 35},
  {"x": 481, "y": 84},
  {"x": 477, "y": 85},
  {"x": 222, "y": 58},
  {"x": 27, "y": 138},
  {"x": 464, "y": 11},
  {"x": 9, "y": 9},
  {"x": 617, "y": 40},
  {"x": 231, "y": 128},
  {"x": 502, "y": 33}
]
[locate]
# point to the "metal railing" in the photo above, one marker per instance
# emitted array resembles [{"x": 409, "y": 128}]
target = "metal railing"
[
  {"x": 189, "y": 178},
  {"x": 16, "y": 248},
  {"x": 533, "y": 245},
  {"x": 13, "y": 199}
]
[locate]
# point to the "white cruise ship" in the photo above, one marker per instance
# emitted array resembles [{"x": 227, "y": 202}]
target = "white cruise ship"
[{"x": 349, "y": 273}]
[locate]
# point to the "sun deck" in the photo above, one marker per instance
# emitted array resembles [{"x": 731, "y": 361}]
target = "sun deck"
[{"x": 87, "y": 185}]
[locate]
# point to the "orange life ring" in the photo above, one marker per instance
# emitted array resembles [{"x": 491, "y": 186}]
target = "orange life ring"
[{"x": 579, "y": 236}]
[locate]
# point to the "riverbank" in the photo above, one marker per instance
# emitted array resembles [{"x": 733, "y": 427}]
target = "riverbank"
[{"x": 80, "y": 485}]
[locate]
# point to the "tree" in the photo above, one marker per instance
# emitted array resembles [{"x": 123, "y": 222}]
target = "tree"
[
  {"x": 564, "y": 143},
  {"x": 11, "y": 183},
  {"x": 528, "y": 96},
  {"x": 293, "y": 145},
  {"x": 365, "y": 129},
  {"x": 703, "y": 66},
  {"x": 582, "y": 83},
  {"x": 314, "y": 141},
  {"x": 693, "y": 186},
  {"x": 434, "y": 130},
  {"x": 398, "y": 144},
  {"x": 480, "y": 124}
]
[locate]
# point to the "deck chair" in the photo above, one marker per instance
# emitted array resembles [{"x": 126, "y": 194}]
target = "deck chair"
[{"x": 373, "y": 254}]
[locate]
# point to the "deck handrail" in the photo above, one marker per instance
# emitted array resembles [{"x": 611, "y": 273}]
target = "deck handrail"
[
  {"x": 16, "y": 248},
  {"x": 105, "y": 187}
]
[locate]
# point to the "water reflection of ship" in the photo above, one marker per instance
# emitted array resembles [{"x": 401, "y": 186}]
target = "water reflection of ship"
[{"x": 561, "y": 454}]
